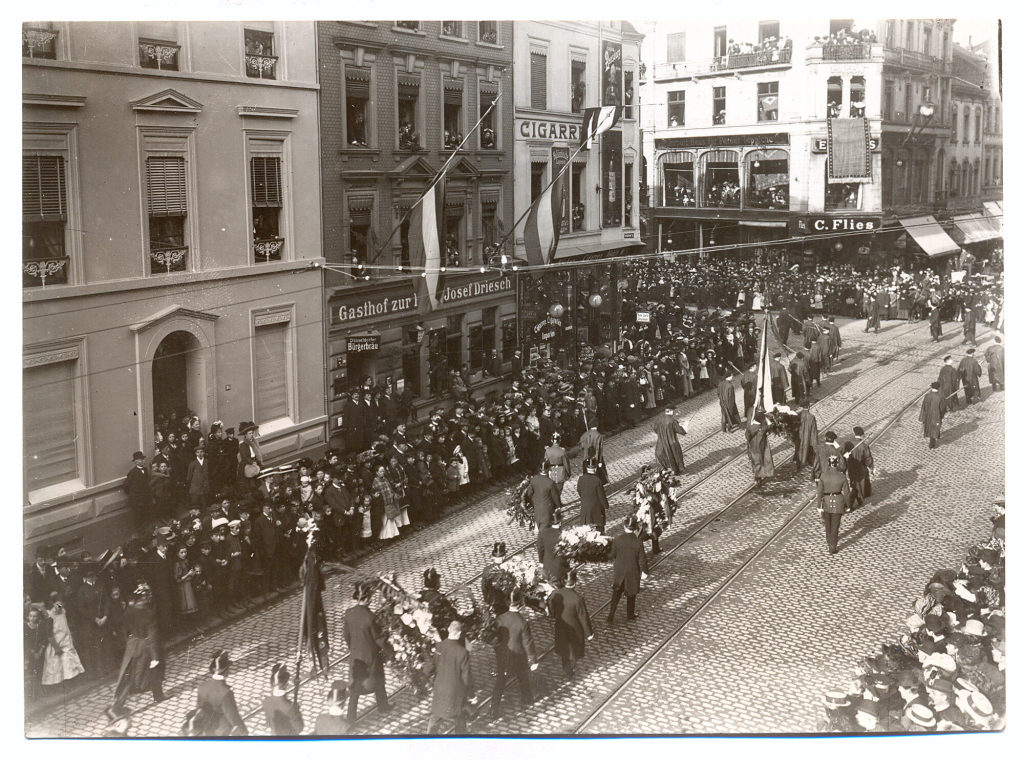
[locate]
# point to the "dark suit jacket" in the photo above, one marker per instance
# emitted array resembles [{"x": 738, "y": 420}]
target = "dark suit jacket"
[
  {"x": 545, "y": 499},
  {"x": 593, "y": 500},
  {"x": 198, "y": 477},
  {"x": 266, "y": 535},
  {"x": 136, "y": 485},
  {"x": 215, "y": 696},
  {"x": 514, "y": 637},
  {"x": 630, "y": 560},
  {"x": 592, "y": 440},
  {"x": 362, "y": 634},
  {"x": 453, "y": 679},
  {"x": 555, "y": 565},
  {"x": 572, "y": 622}
]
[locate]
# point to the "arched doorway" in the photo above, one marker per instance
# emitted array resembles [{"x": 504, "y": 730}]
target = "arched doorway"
[{"x": 177, "y": 377}]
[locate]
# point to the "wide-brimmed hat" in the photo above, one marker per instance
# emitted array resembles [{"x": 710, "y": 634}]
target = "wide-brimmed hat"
[{"x": 245, "y": 427}]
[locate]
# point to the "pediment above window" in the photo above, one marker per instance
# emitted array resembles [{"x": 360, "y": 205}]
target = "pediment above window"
[{"x": 168, "y": 101}]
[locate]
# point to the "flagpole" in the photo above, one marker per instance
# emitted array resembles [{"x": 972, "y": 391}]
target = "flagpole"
[
  {"x": 302, "y": 622},
  {"x": 440, "y": 172}
]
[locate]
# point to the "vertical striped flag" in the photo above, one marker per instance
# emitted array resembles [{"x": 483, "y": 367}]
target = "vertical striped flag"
[
  {"x": 426, "y": 230},
  {"x": 543, "y": 225},
  {"x": 763, "y": 398},
  {"x": 598, "y": 120}
]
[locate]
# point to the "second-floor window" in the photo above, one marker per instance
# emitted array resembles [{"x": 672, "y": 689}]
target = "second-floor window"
[
  {"x": 954, "y": 123},
  {"x": 767, "y": 30},
  {"x": 718, "y": 105},
  {"x": 889, "y": 99},
  {"x": 44, "y": 218},
  {"x": 409, "y": 26},
  {"x": 451, "y": 28},
  {"x": 768, "y": 101},
  {"x": 676, "y": 47},
  {"x": 967, "y": 125},
  {"x": 720, "y": 41},
  {"x": 408, "y": 114},
  {"x": 158, "y": 45},
  {"x": 977, "y": 125},
  {"x": 627, "y": 94},
  {"x": 677, "y": 108},
  {"x": 538, "y": 80},
  {"x": 578, "y": 83},
  {"x": 260, "y": 60},
  {"x": 487, "y": 31},
  {"x": 39, "y": 40},
  {"x": 266, "y": 208},
  {"x": 577, "y": 193},
  {"x": 858, "y": 94},
  {"x": 168, "y": 210},
  {"x": 834, "y": 97},
  {"x": 452, "y": 114},
  {"x": 488, "y": 134}
]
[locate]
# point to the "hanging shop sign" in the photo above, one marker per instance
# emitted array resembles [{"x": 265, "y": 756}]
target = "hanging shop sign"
[
  {"x": 812, "y": 225},
  {"x": 722, "y": 141},
  {"x": 611, "y": 74},
  {"x": 820, "y": 144},
  {"x": 357, "y": 344},
  {"x": 548, "y": 130}
]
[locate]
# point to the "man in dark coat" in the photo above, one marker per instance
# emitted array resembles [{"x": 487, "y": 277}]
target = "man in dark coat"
[
  {"x": 833, "y": 499},
  {"x": 970, "y": 326},
  {"x": 140, "y": 495},
  {"x": 352, "y": 423},
  {"x": 493, "y": 595},
  {"x": 555, "y": 565},
  {"x": 931, "y": 416},
  {"x": 780, "y": 379},
  {"x": 830, "y": 448},
  {"x": 515, "y": 655},
  {"x": 90, "y": 608},
  {"x": 268, "y": 543},
  {"x": 591, "y": 446},
  {"x": 748, "y": 380},
  {"x": 816, "y": 361},
  {"x": 874, "y": 314},
  {"x": 197, "y": 479},
  {"x": 667, "y": 450},
  {"x": 142, "y": 666},
  {"x": 727, "y": 404},
  {"x": 799, "y": 377},
  {"x": 572, "y": 623},
  {"x": 544, "y": 497},
  {"x": 593, "y": 500},
  {"x": 995, "y": 357},
  {"x": 364, "y": 639},
  {"x": 807, "y": 442},
  {"x": 628, "y": 569},
  {"x": 859, "y": 464},
  {"x": 785, "y": 322},
  {"x": 935, "y": 324},
  {"x": 811, "y": 332},
  {"x": 160, "y": 573},
  {"x": 759, "y": 450},
  {"x": 949, "y": 385},
  {"x": 970, "y": 376},
  {"x": 835, "y": 339},
  {"x": 453, "y": 681},
  {"x": 216, "y": 700}
]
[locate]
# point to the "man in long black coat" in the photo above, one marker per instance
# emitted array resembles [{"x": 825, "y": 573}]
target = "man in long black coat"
[
  {"x": 591, "y": 446},
  {"x": 780, "y": 380},
  {"x": 628, "y": 569},
  {"x": 949, "y": 386},
  {"x": 142, "y": 666},
  {"x": 970, "y": 325},
  {"x": 543, "y": 496},
  {"x": 556, "y": 567},
  {"x": 136, "y": 486},
  {"x": 748, "y": 380},
  {"x": 453, "y": 681},
  {"x": 90, "y": 608},
  {"x": 364, "y": 639},
  {"x": 859, "y": 463},
  {"x": 970, "y": 376},
  {"x": 515, "y": 654},
  {"x": 593, "y": 499},
  {"x": 931, "y": 416},
  {"x": 572, "y": 624},
  {"x": 799, "y": 377},
  {"x": 667, "y": 451},
  {"x": 727, "y": 404},
  {"x": 935, "y": 324}
]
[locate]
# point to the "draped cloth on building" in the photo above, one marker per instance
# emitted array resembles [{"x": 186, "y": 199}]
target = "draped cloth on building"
[
  {"x": 849, "y": 151},
  {"x": 426, "y": 227}
]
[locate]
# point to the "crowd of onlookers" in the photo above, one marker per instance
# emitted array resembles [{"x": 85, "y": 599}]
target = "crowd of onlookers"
[
  {"x": 767, "y": 46},
  {"x": 949, "y": 672},
  {"x": 847, "y": 37}
]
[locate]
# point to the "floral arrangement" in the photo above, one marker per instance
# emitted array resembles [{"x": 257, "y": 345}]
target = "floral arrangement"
[
  {"x": 783, "y": 421},
  {"x": 526, "y": 576},
  {"x": 652, "y": 497},
  {"x": 518, "y": 510},
  {"x": 583, "y": 544}
]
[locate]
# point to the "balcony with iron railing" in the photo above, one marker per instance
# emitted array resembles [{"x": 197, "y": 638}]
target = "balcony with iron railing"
[
  {"x": 43, "y": 272},
  {"x": 915, "y": 60},
  {"x": 167, "y": 259},
  {"x": 260, "y": 66},
  {"x": 723, "y": 64},
  {"x": 162, "y": 56},
  {"x": 851, "y": 51},
  {"x": 38, "y": 42},
  {"x": 268, "y": 250},
  {"x": 665, "y": 196}
]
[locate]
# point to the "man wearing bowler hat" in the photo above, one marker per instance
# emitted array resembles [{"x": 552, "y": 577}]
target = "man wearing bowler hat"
[
  {"x": 140, "y": 494},
  {"x": 629, "y": 568}
]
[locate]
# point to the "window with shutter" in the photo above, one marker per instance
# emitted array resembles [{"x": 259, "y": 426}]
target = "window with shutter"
[
  {"x": 266, "y": 181},
  {"x": 44, "y": 189},
  {"x": 168, "y": 207},
  {"x": 676, "y": 47},
  {"x": 44, "y": 214},
  {"x": 49, "y": 425},
  {"x": 538, "y": 80},
  {"x": 266, "y": 208},
  {"x": 271, "y": 362}
]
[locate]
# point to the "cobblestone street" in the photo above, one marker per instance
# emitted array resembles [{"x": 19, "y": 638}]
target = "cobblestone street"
[{"x": 735, "y": 635}]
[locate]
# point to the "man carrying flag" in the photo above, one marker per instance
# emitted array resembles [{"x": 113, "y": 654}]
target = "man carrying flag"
[
  {"x": 759, "y": 451},
  {"x": 426, "y": 228},
  {"x": 313, "y": 621}
]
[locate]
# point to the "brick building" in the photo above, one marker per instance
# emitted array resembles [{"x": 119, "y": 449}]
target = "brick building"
[{"x": 396, "y": 99}]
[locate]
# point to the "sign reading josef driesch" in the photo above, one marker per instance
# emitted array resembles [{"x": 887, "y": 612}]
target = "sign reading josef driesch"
[{"x": 475, "y": 289}]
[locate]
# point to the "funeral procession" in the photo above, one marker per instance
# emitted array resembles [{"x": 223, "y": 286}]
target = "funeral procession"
[{"x": 525, "y": 378}]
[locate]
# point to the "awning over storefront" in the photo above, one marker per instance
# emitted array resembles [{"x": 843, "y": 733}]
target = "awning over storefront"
[
  {"x": 994, "y": 211},
  {"x": 565, "y": 252},
  {"x": 974, "y": 228},
  {"x": 750, "y": 223},
  {"x": 930, "y": 236}
]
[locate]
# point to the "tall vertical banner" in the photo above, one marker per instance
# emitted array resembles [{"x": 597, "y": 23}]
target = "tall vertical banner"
[
  {"x": 611, "y": 74},
  {"x": 611, "y": 179},
  {"x": 426, "y": 229},
  {"x": 559, "y": 158},
  {"x": 763, "y": 398}
]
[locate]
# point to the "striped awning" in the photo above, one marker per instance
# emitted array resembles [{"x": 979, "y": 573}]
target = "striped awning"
[
  {"x": 973, "y": 228},
  {"x": 930, "y": 236},
  {"x": 994, "y": 212}
]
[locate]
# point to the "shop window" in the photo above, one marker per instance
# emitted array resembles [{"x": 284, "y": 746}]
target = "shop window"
[
  {"x": 260, "y": 61},
  {"x": 168, "y": 209},
  {"x": 718, "y": 105},
  {"x": 577, "y": 194},
  {"x": 677, "y": 108},
  {"x": 487, "y": 31},
  {"x": 676, "y": 47},
  {"x": 721, "y": 179},
  {"x": 536, "y": 179},
  {"x": 452, "y": 115},
  {"x": 408, "y": 113},
  {"x": 411, "y": 359},
  {"x": 768, "y": 101},
  {"x": 488, "y": 133},
  {"x": 44, "y": 218},
  {"x": 858, "y": 97},
  {"x": 266, "y": 208},
  {"x": 768, "y": 180},
  {"x": 451, "y": 28},
  {"x": 834, "y": 97},
  {"x": 508, "y": 338},
  {"x": 767, "y": 30},
  {"x": 357, "y": 113},
  {"x": 627, "y": 213},
  {"x": 578, "y": 85},
  {"x": 679, "y": 185},
  {"x": 538, "y": 80}
]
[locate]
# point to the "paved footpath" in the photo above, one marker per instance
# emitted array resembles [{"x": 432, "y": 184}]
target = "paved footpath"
[{"x": 873, "y": 365}]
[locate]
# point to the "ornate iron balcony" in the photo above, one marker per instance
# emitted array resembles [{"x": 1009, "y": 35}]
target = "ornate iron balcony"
[
  {"x": 268, "y": 249},
  {"x": 260, "y": 66},
  {"x": 162, "y": 56},
  {"x": 170, "y": 259},
  {"x": 857, "y": 52},
  {"x": 40, "y": 272},
  {"x": 37, "y": 42}
]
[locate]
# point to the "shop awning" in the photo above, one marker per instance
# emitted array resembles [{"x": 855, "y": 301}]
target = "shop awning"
[
  {"x": 565, "y": 252},
  {"x": 974, "y": 228},
  {"x": 994, "y": 210},
  {"x": 930, "y": 236}
]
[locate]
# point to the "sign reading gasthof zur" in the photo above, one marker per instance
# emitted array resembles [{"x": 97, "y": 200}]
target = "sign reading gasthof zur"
[{"x": 376, "y": 307}]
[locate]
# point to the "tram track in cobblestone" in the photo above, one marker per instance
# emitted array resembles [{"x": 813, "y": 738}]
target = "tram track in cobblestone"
[{"x": 648, "y": 659}]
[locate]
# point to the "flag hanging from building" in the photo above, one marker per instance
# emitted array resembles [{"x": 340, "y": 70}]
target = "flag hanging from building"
[
  {"x": 426, "y": 233},
  {"x": 763, "y": 398},
  {"x": 314, "y": 621},
  {"x": 849, "y": 151},
  {"x": 598, "y": 120},
  {"x": 544, "y": 224}
]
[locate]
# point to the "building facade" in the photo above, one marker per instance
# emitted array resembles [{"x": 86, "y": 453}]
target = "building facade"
[
  {"x": 765, "y": 131},
  {"x": 171, "y": 252},
  {"x": 563, "y": 68},
  {"x": 397, "y": 99}
]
